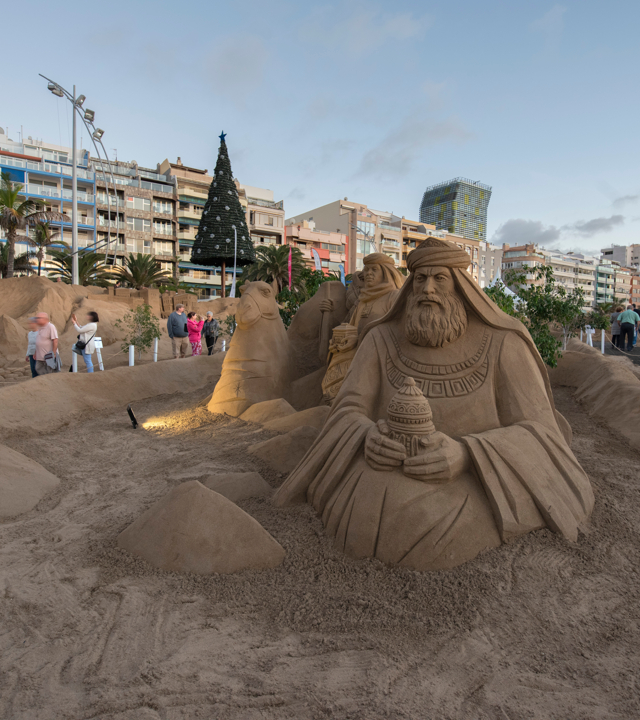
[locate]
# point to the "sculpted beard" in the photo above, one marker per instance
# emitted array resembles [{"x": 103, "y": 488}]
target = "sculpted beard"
[{"x": 434, "y": 324}]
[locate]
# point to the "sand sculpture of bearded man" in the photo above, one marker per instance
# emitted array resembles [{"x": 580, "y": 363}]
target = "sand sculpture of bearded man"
[
  {"x": 497, "y": 465},
  {"x": 376, "y": 290}
]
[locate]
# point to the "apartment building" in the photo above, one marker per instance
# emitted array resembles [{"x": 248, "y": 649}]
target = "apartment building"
[
  {"x": 634, "y": 295},
  {"x": 139, "y": 216},
  {"x": 44, "y": 170},
  {"x": 367, "y": 230},
  {"x": 458, "y": 206},
  {"x": 489, "y": 263},
  {"x": 265, "y": 216},
  {"x": 330, "y": 246},
  {"x": 613, "y": 281},
  {"x": 624, "y": 255},
  {"x": 572, "y": 270}
]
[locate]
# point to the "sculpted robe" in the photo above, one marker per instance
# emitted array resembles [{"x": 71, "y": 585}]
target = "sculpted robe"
[{"x": 486, "y": 390}]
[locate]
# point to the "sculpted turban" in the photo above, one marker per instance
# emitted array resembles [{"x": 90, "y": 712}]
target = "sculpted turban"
[{"x": 392, "y": 279}]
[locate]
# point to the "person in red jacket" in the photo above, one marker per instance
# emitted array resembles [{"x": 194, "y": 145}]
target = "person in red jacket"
[{"x": 194, "y": 328}]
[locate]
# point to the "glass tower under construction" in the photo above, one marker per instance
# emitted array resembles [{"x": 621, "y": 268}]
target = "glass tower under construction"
[{"x": 458, "y": 206}]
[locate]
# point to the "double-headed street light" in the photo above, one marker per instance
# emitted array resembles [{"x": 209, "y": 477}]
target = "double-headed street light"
[{"x": 96, "y": 134}]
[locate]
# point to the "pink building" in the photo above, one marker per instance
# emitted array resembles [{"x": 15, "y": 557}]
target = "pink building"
[{"x": 331, "y": 246}]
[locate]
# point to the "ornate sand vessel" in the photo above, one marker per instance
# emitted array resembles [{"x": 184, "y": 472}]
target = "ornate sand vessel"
[{"x": 410, "y": 417}]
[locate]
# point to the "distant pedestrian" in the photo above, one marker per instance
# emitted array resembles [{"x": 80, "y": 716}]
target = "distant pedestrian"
[
  {"x": 615, "y": 326},
  {"x": 47, "y": 357},
  {"x": 635, "y": 332},
  {"x": 177, "y": 329},
  {"x": 31, "y": 345},
  {"x": 194, "y": 326},
  {"x": 628, "y": 320},
  {"x": 210, "y": 331},
  {"x": 86, "y": 334}
]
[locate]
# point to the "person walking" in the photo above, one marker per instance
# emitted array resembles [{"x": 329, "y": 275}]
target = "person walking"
[
  {"x": 628, "y": 320},
  {"x": 177, "y": 329},
  {"x": 210, "y": 331},
  {"x": 194, "y": 326},
  {"x": 31, "y": 345},
  {"x": 47, "y": 358},
  {"x": 86, "y": 334},
  {"x": 615, "y": 326}
]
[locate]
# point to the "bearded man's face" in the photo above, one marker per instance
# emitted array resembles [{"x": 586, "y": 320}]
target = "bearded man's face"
[{"x": 435, "y": 313}]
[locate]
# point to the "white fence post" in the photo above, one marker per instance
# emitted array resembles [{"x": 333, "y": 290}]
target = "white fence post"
[
  {"x": 602, "y": 341},
  {"x": 155, "y": 350},
  {"x": 581, "y": 332},
  {"x": 74, "y": 362},
  {"x": 98, "y": 345},
  {"x": 132, "y": 355}
]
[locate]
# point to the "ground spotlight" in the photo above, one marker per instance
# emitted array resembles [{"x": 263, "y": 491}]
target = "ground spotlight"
[{"x": 134, "y": 422}]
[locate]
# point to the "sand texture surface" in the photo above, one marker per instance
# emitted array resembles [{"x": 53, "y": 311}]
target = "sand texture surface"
[{"x": 541, "y": 629}]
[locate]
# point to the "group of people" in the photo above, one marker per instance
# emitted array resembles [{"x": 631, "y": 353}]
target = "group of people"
[
  {"x": 42, "y": 343},
  {"x": 624, "y": 326},
  {"x": 194, "y": 328}
]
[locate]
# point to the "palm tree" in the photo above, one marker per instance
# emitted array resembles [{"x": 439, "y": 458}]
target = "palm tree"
[
  {"x": 141, "y": 271},
  {"x": 17, "y": 213},
  {"x": 91, "y": 267},
  {"x": 272, "y": 265},
  {"x": 21, "y": 263},
  {"x": 43, "y": 238}
]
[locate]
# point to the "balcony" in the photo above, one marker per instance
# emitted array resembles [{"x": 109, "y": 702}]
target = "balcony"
[
  {"x": 390, "y": 243},
  {"x": 190, "y": 214},
  {"x": 162, "y": 230},
  {"x": 186, "y": 235},
  {"x": 266, "y": 203}
]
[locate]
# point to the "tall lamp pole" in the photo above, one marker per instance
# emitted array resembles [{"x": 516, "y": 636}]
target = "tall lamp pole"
[
  {"x": 75, "y": 274},
  {"x": 96, "y": 135}
]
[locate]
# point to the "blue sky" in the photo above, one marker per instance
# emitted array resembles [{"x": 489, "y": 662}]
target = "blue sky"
[{"x": 373, "y": 101}]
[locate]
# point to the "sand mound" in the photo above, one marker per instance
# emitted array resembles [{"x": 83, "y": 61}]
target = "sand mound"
[
  {"x": 239, "y": 486},
  {"x": 313, "y": 417},
  {"x": 193, "y": 529},
  {"x": 284, "y": 452},
  {"x": 606, "y": 386},
  {"x": 23, "y": 483},
  {"x": 263, "y": 412},
  {"x": 49, "y": 401},
  {"x": 13, "y": 337}
]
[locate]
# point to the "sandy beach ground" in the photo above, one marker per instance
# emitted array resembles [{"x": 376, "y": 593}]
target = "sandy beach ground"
[{"x": 541, "y": 629}]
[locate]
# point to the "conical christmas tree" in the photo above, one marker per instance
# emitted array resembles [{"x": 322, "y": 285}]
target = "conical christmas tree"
[{"x": 222, "y": 215}]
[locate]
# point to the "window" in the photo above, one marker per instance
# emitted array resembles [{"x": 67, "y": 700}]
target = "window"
[
  {"x": 162, "y": 228},
  {"x": 162, "y": 206},
  {"x": 366, "y": 228},
  {"x": 146, "y": 246},
  {"x": 252, "y": 217},
  {"x": 162, "y": 247},
  {"x": 139, "y": 224},
  {"x": 269, "y": 219},
  {"x": 136, "y": 203},
  {"x": 184, "y": 205}
]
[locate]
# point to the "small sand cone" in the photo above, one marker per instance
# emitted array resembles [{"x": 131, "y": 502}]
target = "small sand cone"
[{"x": 410, "y": 417}]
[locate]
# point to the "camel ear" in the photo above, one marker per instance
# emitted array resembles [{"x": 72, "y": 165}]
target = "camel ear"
[{"x": 243, "y": 288}]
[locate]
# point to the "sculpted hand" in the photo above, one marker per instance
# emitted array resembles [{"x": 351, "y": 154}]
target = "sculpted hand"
[
  {"x": 326, "y": 306},
  {"x": 380, "y": 451},
  {"x": 443, "y": 459}
]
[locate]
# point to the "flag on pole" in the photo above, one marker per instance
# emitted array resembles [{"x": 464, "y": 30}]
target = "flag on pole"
[
  {"x": 316, "y": 259},
  {"x": 342, "y": 278},
  {"x": 290, "y": 267}
]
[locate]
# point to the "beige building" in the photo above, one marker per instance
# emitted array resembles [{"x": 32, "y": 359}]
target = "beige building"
[
  {"x": 367, "y": 230},
  {"x": 330, "y": 246},
  {"x": 139, "y": 216},
  {"x": 265, "y": 216}
]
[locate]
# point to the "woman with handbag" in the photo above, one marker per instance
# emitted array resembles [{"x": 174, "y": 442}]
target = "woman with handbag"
[
  {"x": 194, "y": 328},
  {"x": 85, "y": 345}
]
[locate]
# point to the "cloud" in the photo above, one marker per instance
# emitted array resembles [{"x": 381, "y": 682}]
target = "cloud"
[
  {"x": 551, "y": 26},
  {"x": 236, "y": 67},
  {"x": 297, "y": 193},
  {"x": 625, "y": 200},
  {"x": 364, "y": 28},
  {"x": 525, "y": 232},
  {"x": 596, "y": 226},
  {"x": 396, "y": 153}
]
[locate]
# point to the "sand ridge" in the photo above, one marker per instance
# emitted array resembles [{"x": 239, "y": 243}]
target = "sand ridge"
[{"x": 540, "y": 628}]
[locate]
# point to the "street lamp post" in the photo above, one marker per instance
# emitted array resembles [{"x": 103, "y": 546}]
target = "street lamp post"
[{"x": 96, "y": 135}]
